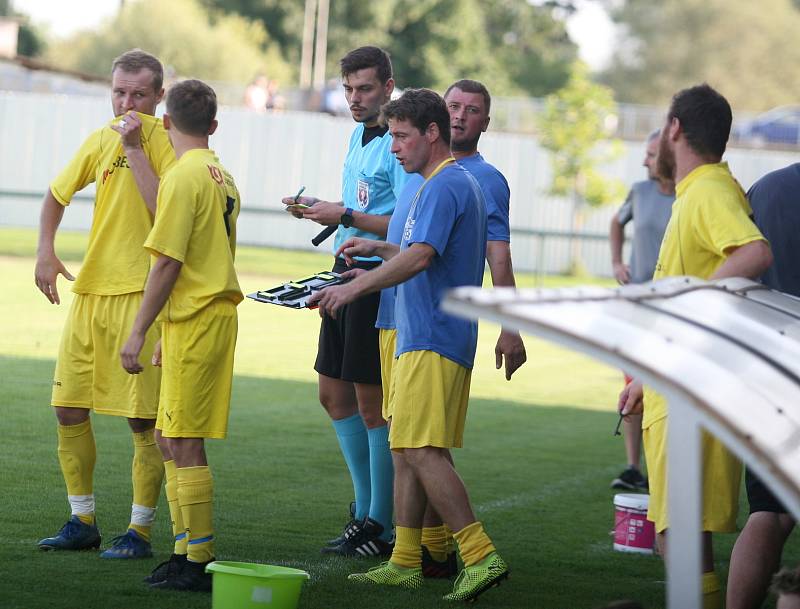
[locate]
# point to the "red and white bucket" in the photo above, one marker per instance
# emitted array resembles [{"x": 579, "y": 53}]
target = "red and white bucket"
[{"x": 633, "y": 532}]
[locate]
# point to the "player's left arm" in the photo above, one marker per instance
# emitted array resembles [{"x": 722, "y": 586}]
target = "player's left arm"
[
  {"x": 749, "y": 260},
  {"x": 371, "y": 223},
  {"x": 146, "y": 178},
  {"x": 160, "y": 282},
  {"x": 402, "y": 267},
  {"x": 509, "y": 344}
]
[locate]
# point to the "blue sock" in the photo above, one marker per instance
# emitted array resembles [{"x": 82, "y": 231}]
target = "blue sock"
[
  {"x": 382, "y": 479},
  {"x": 352, "y": 436}
]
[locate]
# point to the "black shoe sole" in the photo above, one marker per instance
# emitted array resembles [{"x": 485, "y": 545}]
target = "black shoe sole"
[
  {"x": 60, "y": 549},
  {"x": 167, "y": 586},
  {"x": 624, "y": 486}
]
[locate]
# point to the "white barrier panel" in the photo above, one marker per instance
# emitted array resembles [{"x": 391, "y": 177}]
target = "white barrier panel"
[
  {"x": 727, "y": 357},
  {"x": 272, "y": 155}
]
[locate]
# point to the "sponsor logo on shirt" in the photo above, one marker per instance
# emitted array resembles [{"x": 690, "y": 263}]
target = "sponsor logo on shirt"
[
  {"x": 409, "y": 229},
  {"x": 122, "y": 161}
]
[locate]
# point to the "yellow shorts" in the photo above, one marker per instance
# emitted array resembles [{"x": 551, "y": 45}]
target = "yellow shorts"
[
  {"x": 428, "y": 401},
  {"x": 197, "y": 358},
  {"x": 89, "y": 373},
  {"x": 722, "y": 474},
  {"x": 388, "y": 346}
]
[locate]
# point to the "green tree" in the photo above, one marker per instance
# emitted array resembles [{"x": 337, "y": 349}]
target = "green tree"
[
  {"x": 282, "y": 19},
  {"x": 530, "y": 43},
  {"x": 743, "y": 49},
  {"x": 513, "y": 46},
  {"x": 434, "y": 42},
  {"x": 30, "y": 41},
  {"x": 183, "y": 35},
  {"x": 575, "y": 126}
]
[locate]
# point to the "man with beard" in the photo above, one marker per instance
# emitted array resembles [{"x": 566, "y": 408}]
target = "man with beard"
[
  {"x": 649, "y": 205},
  {"x": 757, "y": 553},
  {"x": 711, "y": 236},
  {"x": 348, "y": 360}
]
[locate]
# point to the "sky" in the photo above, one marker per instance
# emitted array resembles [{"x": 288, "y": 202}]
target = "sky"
[
  {"x": 63, "y": 17},
  {"x": 590, "y": 27}
]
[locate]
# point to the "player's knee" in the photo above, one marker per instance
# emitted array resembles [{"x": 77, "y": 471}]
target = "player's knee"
[
  {"x": 71, "y": 416},
  {"x": 336, "y": 405},
  {"x": 372, "y": 417},
  {"x": 140, "y": 425},
  {"x": 421, "y": 458},
  {"x": 163, "y": 445}
]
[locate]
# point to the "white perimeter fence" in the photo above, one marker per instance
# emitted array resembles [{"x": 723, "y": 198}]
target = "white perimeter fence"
[{"x": 272, "y": 155}]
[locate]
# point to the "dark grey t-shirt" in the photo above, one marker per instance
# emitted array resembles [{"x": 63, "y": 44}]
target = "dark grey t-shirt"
[
  {"x": 775, "y": 200},
  {"x": 650, "y": 210}
]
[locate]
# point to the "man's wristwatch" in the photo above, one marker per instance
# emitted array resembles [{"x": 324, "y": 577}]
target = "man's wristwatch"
[{"x": 347, "y": 218}]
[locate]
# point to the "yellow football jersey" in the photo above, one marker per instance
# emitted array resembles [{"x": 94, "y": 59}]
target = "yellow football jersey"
[
  {"x": 710, "y": 215},
  {"x": 198, "y": 205},
  {"x": 115, "y": 262}
]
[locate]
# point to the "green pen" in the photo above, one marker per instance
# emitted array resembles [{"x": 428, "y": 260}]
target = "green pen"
[{"x": 299, "y": 192}]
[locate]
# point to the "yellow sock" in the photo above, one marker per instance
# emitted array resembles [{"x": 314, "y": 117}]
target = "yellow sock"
[
  {"x": 712, "y": 591},
  {"x": 451, "y": 542},
  {"x": 77, "y": 456},
  {"x": 435, "y": 539},
  {"x": 147, "y": 473},
  {"x": 175, "y": 514},
  {"x": 195, "y": 496},
  {"x": 407, "y": 548},
  {"x": 474, "y": 543}
]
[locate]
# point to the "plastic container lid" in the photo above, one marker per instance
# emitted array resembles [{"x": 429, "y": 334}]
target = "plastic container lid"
[{"x": 632, "y": 501}]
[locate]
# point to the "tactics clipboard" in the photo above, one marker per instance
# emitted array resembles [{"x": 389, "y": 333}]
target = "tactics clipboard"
[{"x": 294, "y": 294}]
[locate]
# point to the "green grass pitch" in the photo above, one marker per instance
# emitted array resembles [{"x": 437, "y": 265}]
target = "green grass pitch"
[{"x": 538, "y": 458}]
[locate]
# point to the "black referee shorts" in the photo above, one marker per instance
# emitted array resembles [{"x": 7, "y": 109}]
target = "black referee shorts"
[
  {"x": 759, "y": 496},
  {"x": 348, "y": 345}
]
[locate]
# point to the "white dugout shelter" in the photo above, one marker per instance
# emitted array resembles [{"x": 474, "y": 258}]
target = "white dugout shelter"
[{"x": 725, "y": 354}]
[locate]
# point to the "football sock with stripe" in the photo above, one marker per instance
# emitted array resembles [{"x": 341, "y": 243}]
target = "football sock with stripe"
[
  {"x": 175, "y": 514},
  {"x": 473, "y": 543},
  {"x": 147, "y": 474},
  {"x": 195, "y": 496},
  {"x": 353, "y": 440},
  {"x": 381, "y": 471},
  {"x": 77, "y": 456},
  {"x": 407, "y": 548}
]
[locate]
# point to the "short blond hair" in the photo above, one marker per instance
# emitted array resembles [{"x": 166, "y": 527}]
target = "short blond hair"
[{"x": 136, "y": 59}]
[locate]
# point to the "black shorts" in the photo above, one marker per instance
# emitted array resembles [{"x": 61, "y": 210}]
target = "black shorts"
[
  {"x": 348, "y": 345},
  {"x": 759, "y": 496}
]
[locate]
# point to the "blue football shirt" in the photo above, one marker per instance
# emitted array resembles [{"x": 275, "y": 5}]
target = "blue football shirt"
[
  {"x": 385, "y": 319},
  {"x": 450, "y": 216},
  {"x": 496, "y": 193}
]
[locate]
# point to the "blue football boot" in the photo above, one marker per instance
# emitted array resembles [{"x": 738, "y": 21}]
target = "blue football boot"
[
  {"x": 74, "y": 535},
  {"x": 129, "y": 545}
]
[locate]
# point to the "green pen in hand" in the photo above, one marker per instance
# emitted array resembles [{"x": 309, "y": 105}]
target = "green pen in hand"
[{"x": 297, "y": 205}]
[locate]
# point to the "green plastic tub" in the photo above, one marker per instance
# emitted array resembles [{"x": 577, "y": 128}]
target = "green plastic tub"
[{"x": 245, "y": 585}]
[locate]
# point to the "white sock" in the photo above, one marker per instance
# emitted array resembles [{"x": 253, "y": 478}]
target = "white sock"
[{"x": 81, "y": 504}]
